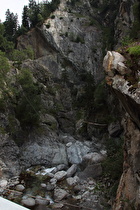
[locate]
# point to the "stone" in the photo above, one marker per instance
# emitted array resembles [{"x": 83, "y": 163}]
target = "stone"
[
  {"x": 3, "y": 183},
  {"x": 77, "y": 197},
  {"x": 28, "y": 202},
  {"x": 57, "y": 205},
  {"x": 115, "y": 129},
  {"x": 60, "y": 167},
  {"x": 60, "y": 194},
  {"x": 72, "y": 181},
  {"x": 50, "y": 187},
  {"x": 76, "y": 152},
  {"x": 43, "y": 150},
  {"x": 43, "y": 185},
  {"x": 94, "y": 157},
  {"x": 60, "y": 175},
  {"x": 41, "y": 201},
  {"x": 68, "y": 144},
  {"x": 122, "y": 69},
  {"x": 91, "y": 171},
  {"x": 72, "y": 170},
  {"x": 111, "y": 60},
  {"x": 20, "y": 187},
  {"x": 53, "y": 181}
]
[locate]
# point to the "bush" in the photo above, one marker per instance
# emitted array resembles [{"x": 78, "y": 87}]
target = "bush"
[
  {"x": 113, "y": 165},
  {"x": 135, "y": 50},
  {"x": 18, "y": 55},
  {"x": 28, "y": 100}
]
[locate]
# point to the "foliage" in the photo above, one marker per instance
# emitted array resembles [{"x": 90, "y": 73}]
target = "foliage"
[
  {"x": 4, "y": 69},
  {"x": 113, "y": 165},
  {"x": 126, "y": 41},
  {"x": 86, "y": 99},
  {"x": 18, "y": 55},
  {"x": 5, "y": 45},
  {"x": 28, "y": 100},
  {"x": 25, "y": 18},
  {"x": 134, "y": 50},
  {"x": 135, "y": 31},
  {"x": 100, "y": 95},
  {"x": 11, "y": 25}
]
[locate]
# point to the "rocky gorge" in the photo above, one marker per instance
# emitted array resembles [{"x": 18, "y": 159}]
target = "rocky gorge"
[{"x": 86, "y": 143}]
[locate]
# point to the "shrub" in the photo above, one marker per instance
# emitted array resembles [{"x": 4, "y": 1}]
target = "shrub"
[
  {"x": 53, "y": 17},
  {"x": 48, "y": 25},
  {"x": 28, "y": 100},
  {"x": 135, "y": 50},
  {"x": 18, "y": 55},
  {"x": 113, "y": 165}
]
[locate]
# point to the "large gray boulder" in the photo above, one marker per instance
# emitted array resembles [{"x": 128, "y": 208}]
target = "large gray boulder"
[
  {"x": 76, "y": 151},
  {"x": 45, "y": 150}
]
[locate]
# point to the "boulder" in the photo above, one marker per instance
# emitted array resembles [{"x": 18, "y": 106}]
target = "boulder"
[
  {"x": 91, "y": 171},
  {"x": 72, "y": 181},
  {"x": 60, "y": 175},
  {"x": 93, "y": 157},
  {"x": 28, "y": 202},
  {"x": 76, "y": 152},
  {"x": 3, "y": 183},
  {"x": 115, "y": 129},
  {"x": 72, "y": 170},
  {"x": 41, "y": 201},
  {"x": 20, "y": 187},
  {"x": 60, "y": 194},
  {"x": 45, "y": 150}
]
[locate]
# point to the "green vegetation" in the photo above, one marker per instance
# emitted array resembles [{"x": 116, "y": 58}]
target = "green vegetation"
[
  {"x": 5, "y": 45},
  {"x": 28, "y": 100},
  {"x": 134, "y": 50},
  {"x": 113, "y": 165},
  {"x": 4, "y": 86},
  {"x": 135, "y": 31},
  {"x": 21, "y": 55}
]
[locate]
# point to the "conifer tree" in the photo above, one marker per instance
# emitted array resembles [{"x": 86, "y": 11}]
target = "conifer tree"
[
  {"x": 25, "y": 18},
  {"x": 11, "y": 25}
]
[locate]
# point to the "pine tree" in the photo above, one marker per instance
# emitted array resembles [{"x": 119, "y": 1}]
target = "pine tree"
[
  {"x": 11, "y": 25},
  {"x": 25, "y": 18}
]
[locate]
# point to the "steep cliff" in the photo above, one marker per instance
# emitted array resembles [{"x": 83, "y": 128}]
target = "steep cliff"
[
  {"x": 124, "y": 80},
  {"x": 59, "y": 110}
]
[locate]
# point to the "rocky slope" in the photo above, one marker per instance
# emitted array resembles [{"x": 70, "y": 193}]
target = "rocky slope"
[{"x": 76, "y": 118}]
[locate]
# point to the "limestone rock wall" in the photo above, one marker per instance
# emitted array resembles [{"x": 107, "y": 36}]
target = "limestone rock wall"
[{"x": 128, "y": 194}]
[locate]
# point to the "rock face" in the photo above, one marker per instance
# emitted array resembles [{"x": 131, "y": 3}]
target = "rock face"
[
  {"x": 69, "y": 51},
  {"x": 129, "y": 188}
]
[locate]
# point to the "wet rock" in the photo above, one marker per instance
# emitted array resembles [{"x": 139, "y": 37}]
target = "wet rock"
[
  {"x": 60, "y": 175},
  {"x": 28, "y": 202},
  {"x": 72, "y": 170},
  {"x": 60, "y": 194},
  {"x": 20, "y": 187}
]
